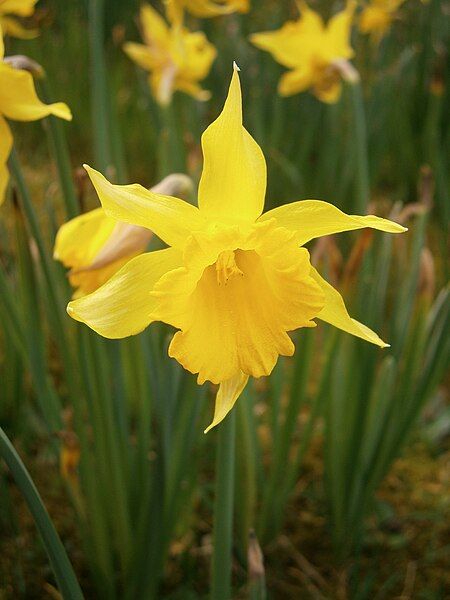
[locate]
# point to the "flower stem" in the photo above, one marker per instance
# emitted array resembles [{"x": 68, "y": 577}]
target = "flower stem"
[
  {"x": 64, "y": 574},
  {"x": 223, "y": 511}
]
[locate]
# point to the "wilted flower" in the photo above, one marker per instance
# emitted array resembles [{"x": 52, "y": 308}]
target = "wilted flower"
[
  {"x": 18, "y": 101},
  {"x": 176, "y": 58},
  {"x": 205, "y": 8},
  {"x": 95, "y": 246},
  {"x": 377, "y": 16},
  {"x": 233, "y": 281},
  {"x": 19, "y": 8},
  {"x": 312, "y": 50}
]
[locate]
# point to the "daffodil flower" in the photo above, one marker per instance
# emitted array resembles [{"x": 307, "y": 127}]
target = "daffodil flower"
[
  {"x": 95, "y": 246},
  {"x": 18, "y": 101},
  {"x": 377, "y": 16},
  {"x": 312, "y": 51},
  {"x": 205, "y": 8},
  {"x": 10, "y": 25},
  {"x": 233, "y": 281},
  {"x": 176, "y": 58}
]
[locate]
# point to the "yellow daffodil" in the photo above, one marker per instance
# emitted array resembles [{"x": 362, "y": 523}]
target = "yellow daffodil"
[
  {"x": 95, "y": 246},
  {"x": 19, "y": 8},
  {"x": 18, "y": 101},
  {"x": 233, "y": 281},
  {"x": 312, "y": 50},
  {"x": 377, "y": 16},
  {"x": 176, "y": 58},
  {"x": 205, "y": 8}
]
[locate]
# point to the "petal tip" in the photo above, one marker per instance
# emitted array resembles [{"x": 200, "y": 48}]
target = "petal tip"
[{"x": 236, "y": 67}]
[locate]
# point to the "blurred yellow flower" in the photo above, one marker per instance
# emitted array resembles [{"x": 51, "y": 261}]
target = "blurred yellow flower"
[
  {"x": 94, "y": 246},
  {"x": 19, "y": 8},
  {"x": 311, "y": 50},
  {"x": 233, "y": 281},
  {"x": 377, "y": 16},
  {"x": 176, "y": 58},
  {"x": 205, "y": 8},
  {"x": 18, "y": 101}
]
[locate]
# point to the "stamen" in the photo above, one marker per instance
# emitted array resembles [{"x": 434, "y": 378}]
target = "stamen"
[{"x": 226, "y": 267}]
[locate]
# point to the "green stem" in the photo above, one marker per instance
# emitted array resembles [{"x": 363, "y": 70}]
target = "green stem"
[
  {"x": 362, "y": 185},
  {"x": 61, "y": 565},
  {"x": 99, "y": 88},
  {"x": 223, "y": 511}
]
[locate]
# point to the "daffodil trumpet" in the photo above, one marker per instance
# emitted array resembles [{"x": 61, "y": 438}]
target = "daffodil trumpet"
[
  {"x": 94, "y": 246},
  {"x": 233, "y": 281},
  {"x": 19, "y": 102}
]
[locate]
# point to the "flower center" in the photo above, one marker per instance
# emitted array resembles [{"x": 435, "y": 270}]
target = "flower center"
[{"x": 226, "y": 267}]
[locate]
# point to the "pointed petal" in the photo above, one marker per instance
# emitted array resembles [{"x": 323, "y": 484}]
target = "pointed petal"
[
  {"x": 335, "y": 313},
  {"x": 169, "y": 218},
  {"x": 122, "y": 306},
  {"x": 233, "y": 182},
  {"x": 18, "y": 99},
  {"x": 140, "y": 54},
  {"x": 294, "y": 82},
  {"x": 338, "y": 32},
  {"x": 2, "y": 44},
  {"x": 315, "y": 218},
  {"x": 229, "y": 392},
  {"x": 13, "y": 28},
  {"x": 5, "y": 148},
  {"x": 154, "y": 29},
  {"x": 21, "y": 8}
]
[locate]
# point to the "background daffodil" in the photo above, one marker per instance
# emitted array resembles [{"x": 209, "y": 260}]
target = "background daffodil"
[
  {"x": 95, "y": 246},
  {"x": 311, "y": 50},
  {"x": 377, "y": 16},
  {"x": 233, "y": 281},
  {"x": 205, "y": 8},
  {"x": 18, "y": 101},
  {"x": 19, "y": 8},
  {"x": 176, "y": 58}
]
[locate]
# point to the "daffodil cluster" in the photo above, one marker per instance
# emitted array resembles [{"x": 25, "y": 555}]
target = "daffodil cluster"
[
  {"x": 312, "y": 51},
  {"x": 233, "y": 281},
  {"x": 19, "y": 101},
  {"x": 177, "y": 59}
]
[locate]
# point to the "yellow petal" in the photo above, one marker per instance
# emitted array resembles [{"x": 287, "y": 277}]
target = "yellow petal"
[
  {"x": 140, "y": 54},
  {"x": 13, "y": 28},
  {"x": 315, "y": 218},
  {"x": 287, "y": 45},
  {"x": 338, "y": 32},
  {"x": 79, "y": 240},
  {"x": 21, "y": 8},
  {"x": 2, "y": 44},
  {"x": 295, "y": 81},
  {"x": 328, "y": 90},
  {"x": 6, "y": 142},
  {"x": 233, "y": 182},
  {"x": 122, "y": 306},
  {"x": 335, "y": 313},
  {"x": 18, "y": 99},
  {"x": 154, "y": 28},
  {"x": 169, "y": 218},
  {"x": 236, "y": 315},
  {"x": 229, "y": 392}
]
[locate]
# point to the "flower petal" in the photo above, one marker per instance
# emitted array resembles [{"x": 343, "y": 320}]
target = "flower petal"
[
  {"x": 122, "y": 306},
  {"x": 296, "y": 81},
  {"x": 18, "y": 99},
  {"x": 335, "y": 313},
  {"x": 6, "y": 142},
  {"x": 233, "y": 182},
  {"x": 315, "y": 218},
  {"x": 169, "y": 218},
  {"x": 154, "y": 28},
  {"x": 13, "y": 28},
  {"x": 229, "y": 392},
  {"x": 338, "y": 32},
  {"x": 141, "y": 55},
  {"x": 21, "y": 8}
]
